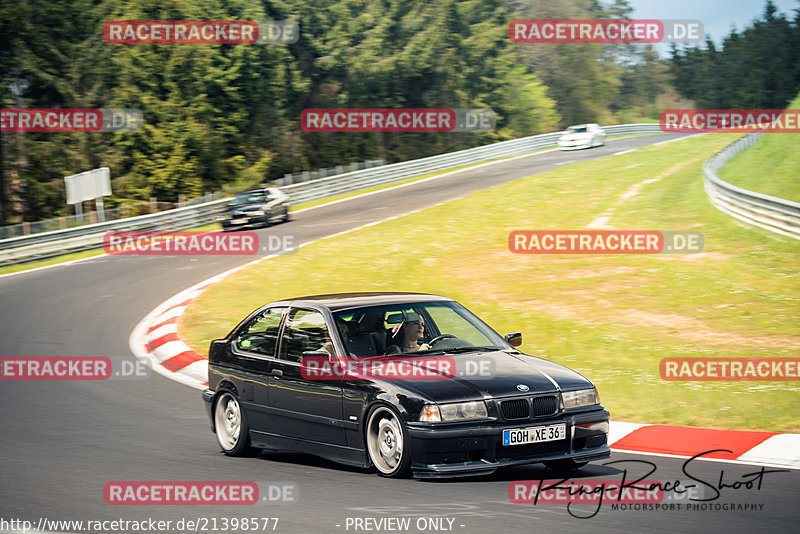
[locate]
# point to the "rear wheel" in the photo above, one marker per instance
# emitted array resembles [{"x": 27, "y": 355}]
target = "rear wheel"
[
  {"x": 387, "y": 443},
  {"x": 230, "y": 424}
]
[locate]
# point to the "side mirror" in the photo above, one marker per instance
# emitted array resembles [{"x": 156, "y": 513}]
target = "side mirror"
[{"x": 514, "y": 339}]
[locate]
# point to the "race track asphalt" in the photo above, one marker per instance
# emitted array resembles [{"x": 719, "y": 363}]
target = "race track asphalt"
[{"x": 62, "y": 441}]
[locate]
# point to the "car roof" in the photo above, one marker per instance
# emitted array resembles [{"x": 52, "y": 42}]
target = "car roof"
[{"x": 341, "y": 301}]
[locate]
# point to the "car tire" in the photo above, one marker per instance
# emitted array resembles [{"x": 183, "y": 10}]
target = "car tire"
[
  {"x": 387, "y": 443},
  {"x": 564, "y": 467},
  {"x": 230, "y": 425},
  {"x": 286, "y": 216}
]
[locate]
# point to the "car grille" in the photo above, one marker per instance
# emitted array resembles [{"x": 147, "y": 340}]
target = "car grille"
[
  {"x": 545, "y": 406},
  {"x": 516, "y": 409}
]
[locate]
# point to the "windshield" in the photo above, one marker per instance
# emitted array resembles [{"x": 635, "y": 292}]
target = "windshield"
[
  {"x": 248, "y": 197},
  {"x": 413, "y": 328},
  {"x": 576, "y": 129}
]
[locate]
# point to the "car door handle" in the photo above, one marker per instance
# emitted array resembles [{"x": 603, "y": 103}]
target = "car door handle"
[{"x": 277, "y": 372}]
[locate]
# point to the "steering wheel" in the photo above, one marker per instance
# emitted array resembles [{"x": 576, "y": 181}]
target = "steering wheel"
[{"x": 439, "y": 338}]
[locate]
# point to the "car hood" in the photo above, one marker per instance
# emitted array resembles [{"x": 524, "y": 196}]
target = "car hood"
[
  {"x": 507, "y": 370},
  {"x": 249, "y": 208}
]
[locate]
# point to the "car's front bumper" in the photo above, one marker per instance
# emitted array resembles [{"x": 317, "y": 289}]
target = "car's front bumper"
[
  {"x": 478, "y": 449},
  {"x": 574, "y": 145},
  {"x": 244, "y": 222},
  {"x": 208, "y": 397}
]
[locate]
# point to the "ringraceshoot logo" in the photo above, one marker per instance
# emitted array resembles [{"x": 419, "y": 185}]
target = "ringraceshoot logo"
[
  {"x": 200, "y": 32},
  {"x": 604, "y": 31},
  {"x": 70, "y": 120},
  {"x": 397, "y": 120},
  {"x": 730, "y": 120},
  {"x": 604, "y": 242}
]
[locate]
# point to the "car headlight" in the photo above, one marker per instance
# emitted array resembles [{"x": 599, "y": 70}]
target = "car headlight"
[
  {"x": 582, "y": 397},
  {"x": 256, "y": 213},
  {"x": 459, "y": 411}
]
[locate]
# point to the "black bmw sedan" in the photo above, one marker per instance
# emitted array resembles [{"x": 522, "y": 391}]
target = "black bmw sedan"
[
  {"x": 259, "y": 207},
  {"x": 402, "y": 382}
]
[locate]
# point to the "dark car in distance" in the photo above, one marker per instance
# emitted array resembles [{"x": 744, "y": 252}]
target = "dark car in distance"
[
  {"x": 258, "y": 207},
  {"x": 451, "y": 396}
]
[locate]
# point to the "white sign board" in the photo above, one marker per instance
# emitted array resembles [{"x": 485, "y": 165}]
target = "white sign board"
[{"x": 88, "y": 185}]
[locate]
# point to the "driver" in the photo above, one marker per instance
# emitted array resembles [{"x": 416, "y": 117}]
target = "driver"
[{"x": 407, "y": 337}]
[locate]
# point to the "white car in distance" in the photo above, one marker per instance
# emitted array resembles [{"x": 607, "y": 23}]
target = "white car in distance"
[{"x": 582, "y": 136}]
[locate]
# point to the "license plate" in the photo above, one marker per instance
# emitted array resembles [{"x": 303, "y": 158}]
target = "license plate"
[{"x": 534, "y": 434}]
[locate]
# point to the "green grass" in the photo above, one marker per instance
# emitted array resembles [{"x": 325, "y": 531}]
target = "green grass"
[
  {"x": 612, "y": 318},
  {"x": 771, "y": 166}
]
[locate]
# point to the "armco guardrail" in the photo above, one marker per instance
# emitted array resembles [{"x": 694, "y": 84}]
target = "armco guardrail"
[
  {"x": 50, "y": 244},
  {"x": 768, "y": 212}
]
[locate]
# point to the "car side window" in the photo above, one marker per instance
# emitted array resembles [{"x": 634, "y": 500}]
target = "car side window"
[
  {"x": 261, "y": 334},
  {"x": 305, "y": 330}
]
